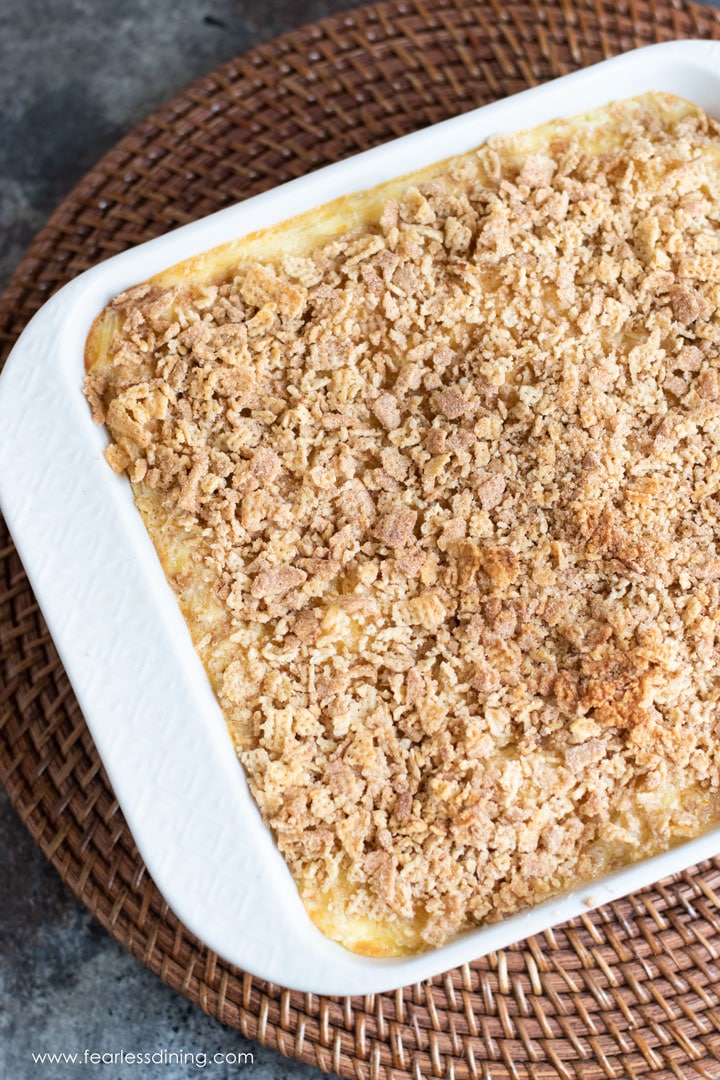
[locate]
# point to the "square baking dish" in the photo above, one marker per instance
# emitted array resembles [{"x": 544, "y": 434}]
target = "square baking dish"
[{"x": 154, "y": 718}]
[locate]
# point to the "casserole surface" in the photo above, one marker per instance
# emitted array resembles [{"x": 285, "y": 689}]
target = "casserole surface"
[{"x": 430, "y": 470}]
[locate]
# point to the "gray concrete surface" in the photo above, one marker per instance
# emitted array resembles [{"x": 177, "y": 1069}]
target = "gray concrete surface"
[
  {"x": 66, "y": 987},
  {"x": 75, "y": 75}
]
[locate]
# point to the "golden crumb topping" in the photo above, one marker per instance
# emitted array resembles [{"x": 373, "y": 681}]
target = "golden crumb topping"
[{"x": 449, "y": 488}]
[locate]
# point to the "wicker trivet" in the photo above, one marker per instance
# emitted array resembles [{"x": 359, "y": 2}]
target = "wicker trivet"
[{"x": 629, "y": 991}]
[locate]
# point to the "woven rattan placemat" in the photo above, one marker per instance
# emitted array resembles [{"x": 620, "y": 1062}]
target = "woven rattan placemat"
[{"x": 628, "y": 991}]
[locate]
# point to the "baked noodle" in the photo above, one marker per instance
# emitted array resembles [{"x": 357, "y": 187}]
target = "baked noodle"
[{"x": 433, "y": 471}]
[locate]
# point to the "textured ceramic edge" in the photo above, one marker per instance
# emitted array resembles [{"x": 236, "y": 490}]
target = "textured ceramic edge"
[{"x": 119, "y": 632}]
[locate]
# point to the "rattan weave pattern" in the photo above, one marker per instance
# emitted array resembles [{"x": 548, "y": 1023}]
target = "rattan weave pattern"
[{"x": 629, "y": 991}]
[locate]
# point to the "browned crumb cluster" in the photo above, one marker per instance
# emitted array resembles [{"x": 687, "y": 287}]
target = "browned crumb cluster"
[{"x": 455, "y": 482}]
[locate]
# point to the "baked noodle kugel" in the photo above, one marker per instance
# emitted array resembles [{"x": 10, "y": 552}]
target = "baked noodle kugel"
[{"x": 433, "y": 471}]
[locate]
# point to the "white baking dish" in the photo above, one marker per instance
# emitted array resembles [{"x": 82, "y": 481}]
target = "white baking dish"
[{"x": 118, "y": 629}]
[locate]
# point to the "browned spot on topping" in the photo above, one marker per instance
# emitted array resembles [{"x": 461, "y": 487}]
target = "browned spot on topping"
[
  {"x": 403, "y": 807},
  {"x": 469, "y": 561},
  {"x": 565, "y": 690},
  {"x": 395, "y": 529},
  {"x": 687, "y": 303},
  {"x": 610, "y": 678},
  {"x": 500, "y": 564},
  {"x": 306, "y": 626},
  {"x": 601, "y": 530},
  {"x": 435, "y": 440},
  {"x": 450, "y": 402}
]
